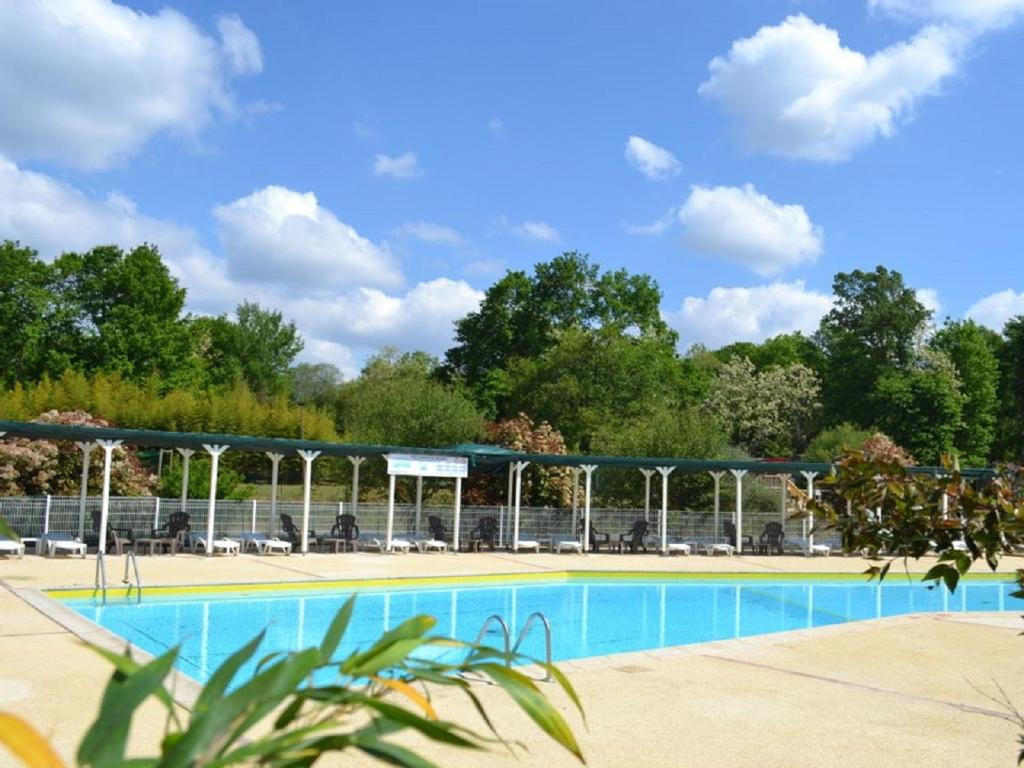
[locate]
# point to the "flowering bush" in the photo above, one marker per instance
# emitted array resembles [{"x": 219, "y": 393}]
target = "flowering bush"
[{"x": 32, "y": 467}]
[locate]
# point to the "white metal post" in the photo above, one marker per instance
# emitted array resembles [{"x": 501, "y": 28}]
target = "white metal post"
[
  {"x": 86, "y": 449},
  {"x": 252, "y": 525},
  {"x": 356, "y": 462},
  {"x": 307, "y": 483},
  {"x": 810, "y": 515},
  {"x": 156, "y": 512},
  {"x": 648, "y": 474},
  {"x": 665, "y": 472},
  {"x": 738, "y": 474},
  {"x": 186, "y": 454},
  {"x": 46, "y": 514},
  {"x": 588, "y": 470},
  {"x": 391, "y": 512},
  {"x": 419, "y": 503},
  {"x": 458, "y": 514},
  {"x": 717, "y": 476},
  {"x": 275, "y": 463},
  {"x": 215, "y": 451},
  {"x": 520, "y": 466},
  {"x": 502, "y": 522},
  {"x": 108, "y": 447}
]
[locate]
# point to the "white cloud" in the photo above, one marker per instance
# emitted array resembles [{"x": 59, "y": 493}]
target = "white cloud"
[
  {"x": 995, "y": 309},
  {"x": 435, "y": 234},
  {"x": 278, "y": 235},
  {"x": 240, "y": 45},
  {"x": 753, "y": 314},
  {"x": 340, "y": 320},
  {"x": 652, "y": 161},
  {"x": 422, "y": 318},
  {"x": 794, "y": 90},
  {"x": 659, "y": 226},
  {"x": 742, "y": 225},
  {"x": 540, "y": 231},
  {"x": 88, "y": 82},
  {"x": 977, "y": 15},
  {"x": 929, "y": 299},
  {"x": 404, "y": 166}
]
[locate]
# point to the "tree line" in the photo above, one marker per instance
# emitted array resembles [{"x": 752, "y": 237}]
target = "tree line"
[{"x": 566, "y": 347}]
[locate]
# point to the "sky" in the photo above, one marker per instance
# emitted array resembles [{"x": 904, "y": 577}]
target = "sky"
[{"x": 370, "y": 168}]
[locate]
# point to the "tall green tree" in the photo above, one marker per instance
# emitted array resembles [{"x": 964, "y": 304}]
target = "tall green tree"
[
  {"x": 26, "y": 301},
  {"x": 877, "y": 324},
  {"x": 314, "y": 383},
  {"x": 974, "y": 352},
  {"x": 258, "y": 346},
  {"x": 522, "y": 316},
  {"x": 1011, "y": 364},
  {"x": 121, "y": 311},
  {"x": 778, "y": 351},
  {"x": 590, "y": 376},
  {"x": 921, "y": 406}
]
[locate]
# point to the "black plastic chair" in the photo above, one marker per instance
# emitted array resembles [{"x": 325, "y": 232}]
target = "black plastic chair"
[
  {"x": 293, "y": 533},
  {"x": 771, "y": 538},
  {"x": 596, "y": 537},
  {"x": 117, "y": 538},
  {"x": 437, "y": 529},
  {"x": 730, "y": 533},
  {"x": 345, "y": 528},
  {"x": 485, "y": 532},
  {"x": 634, "y": 537}
]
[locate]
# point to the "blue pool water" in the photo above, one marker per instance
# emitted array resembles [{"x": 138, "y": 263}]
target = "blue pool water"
[{"x": 589, "y": 618}]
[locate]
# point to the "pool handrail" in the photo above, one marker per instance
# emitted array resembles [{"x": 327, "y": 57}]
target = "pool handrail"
[{"x": 547, "y": 640}]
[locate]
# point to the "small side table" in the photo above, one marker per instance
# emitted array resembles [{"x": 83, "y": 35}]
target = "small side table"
[
  {"x": 34, "y": 541},
  {"x": 161, "y": 542},
  {"x": 340, "y": 545}
]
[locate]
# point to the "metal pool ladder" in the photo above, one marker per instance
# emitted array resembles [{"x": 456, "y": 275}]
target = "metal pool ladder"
[
  {"x": 101, "y": 575},
  {"x": 511, "y": 651}
]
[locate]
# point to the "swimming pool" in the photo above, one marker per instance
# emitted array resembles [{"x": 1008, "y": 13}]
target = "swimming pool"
[{"x": 589, "y": 616}]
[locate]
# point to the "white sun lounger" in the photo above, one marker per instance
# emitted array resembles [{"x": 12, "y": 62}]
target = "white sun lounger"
[
  {"x": 531, "y": 544},
  {"x": 227, "y": 546},
  {"x": 431, "y": 545},
  {"x": 11, "y": 547},
  {"x": 679, "y": 546},
  {"x": 380, "y": 544},
  {"x": 561, "y": 544},
  {"x": 63, "y": 544}
]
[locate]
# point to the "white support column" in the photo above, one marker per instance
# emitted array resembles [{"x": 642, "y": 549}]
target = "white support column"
[
  {"x": 717, "y": 476},
  {"x": 391, "y": 513},
  {"x": 665, "y": 472},
  {"x": 588, "y": 471},
  {"x": 739, "y": 474},
  {"x": 215, "y": 451},
  {"x": 504, "y": 520},
  {"x": 275, "y": 465},
  {"x": 809, "y": 476},
  {"x": 86, "y": 449},
  {"x": 46, "y": 513},
  {"x": 419, "y": 504},
  {"x": 945, "y": 505},
  {"x": 356, "y": 463},
  {"x": 520, "y": 466},
  {"x": 156, "y": 512},
  {"x": 252, "y": 525},
  {"x": 307, "y": 487},
  {"x": 458, "y": 514},
  {"x": 783, "y": 501},
  {"x": 576, "y": 471},
  {"x": 648, "y": 474},
  {"x": 108, "y": 447},
  {"x": 186, "y": 454}
]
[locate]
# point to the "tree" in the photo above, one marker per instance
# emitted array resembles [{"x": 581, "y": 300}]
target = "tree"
[
  {"x": 590, "y": 376},
  {"x": 921, "y": 406},
  {"x": 121, "y": 312},
  {"x": 522, "y": 316},
  {"x": 314, "y": 384},
  {"x": 767, "y": 413},
  {"x": 875, "y": 325},
  {"x": 258, "y": 346},
  {"x": 26, "y": 301},
  {"x": 974, "y": 352},
  {"x": 831, "y": 443},
  {"x": 779, "y": 351},
  {"x": 1011, "y": 364},
  {"x": 34, "y": 467},
  {"x": 397, "y": 401},
  {"x": 542, "y": 485}
]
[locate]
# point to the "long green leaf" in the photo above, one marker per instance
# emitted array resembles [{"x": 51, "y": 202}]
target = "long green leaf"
[
  {"x": 104, "y": 744},
  {"x": 225, "y": 673},
  {"x": 337, "y": 629},
  {"x": 126, "y": 665}
]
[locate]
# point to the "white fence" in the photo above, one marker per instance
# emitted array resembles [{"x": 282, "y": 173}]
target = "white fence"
[{"x": 30, "y": 516}]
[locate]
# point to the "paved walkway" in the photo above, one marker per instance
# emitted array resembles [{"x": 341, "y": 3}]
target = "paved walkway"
[{"x": 902, "y": 691}]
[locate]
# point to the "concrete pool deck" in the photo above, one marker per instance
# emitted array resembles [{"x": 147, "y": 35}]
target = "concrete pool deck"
[{"x": 911, "y": 690}]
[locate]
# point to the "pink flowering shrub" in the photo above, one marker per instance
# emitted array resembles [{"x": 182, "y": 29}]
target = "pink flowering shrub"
[{"x": 33, "y": 467}]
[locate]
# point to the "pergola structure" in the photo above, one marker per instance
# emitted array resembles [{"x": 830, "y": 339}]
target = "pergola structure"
[{"x": 418, "y": 462}]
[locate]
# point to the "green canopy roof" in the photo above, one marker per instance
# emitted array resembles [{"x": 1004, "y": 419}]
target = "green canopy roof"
[{"x": 482, "y": 458}]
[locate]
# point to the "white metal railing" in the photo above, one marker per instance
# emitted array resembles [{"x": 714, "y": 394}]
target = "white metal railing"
[{"x": 537, "y": 615}]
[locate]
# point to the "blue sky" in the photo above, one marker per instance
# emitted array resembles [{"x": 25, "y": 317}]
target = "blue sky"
[{"x": 369, "y": 168}]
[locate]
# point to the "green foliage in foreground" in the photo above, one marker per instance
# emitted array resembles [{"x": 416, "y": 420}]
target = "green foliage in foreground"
[{"x": 286, "y": 716}]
